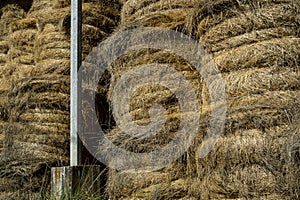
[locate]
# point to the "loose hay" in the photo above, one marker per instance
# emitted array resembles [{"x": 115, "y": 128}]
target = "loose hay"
[
  {"x": 255, "y": 46},
  {"x": 157, "y": 13},
  {"x": 38, "y": 130},
  {"x": 35, "y": 52},
  {"x": 141, "y": 100}
]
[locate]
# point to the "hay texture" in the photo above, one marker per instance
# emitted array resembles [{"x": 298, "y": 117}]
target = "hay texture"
[
  {"x": 156, "y": 13},
  {"x": 35, "y": 69},
  {"x": 255, "y": 45},
  {"x": 170, "y": 182},
  {"x": 38, "y": 132},
  {"x": 9, "y": 14}
]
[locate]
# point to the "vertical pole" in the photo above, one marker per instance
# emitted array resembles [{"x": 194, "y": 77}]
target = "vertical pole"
[{"x": 75, "y": 144}]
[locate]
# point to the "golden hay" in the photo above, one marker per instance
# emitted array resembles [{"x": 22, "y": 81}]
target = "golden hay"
[
  {"x": 158, "y": 13},
  {"x": 208, "y": 14},
  {"x": 4, "y": 46},
  {"x": 26, "y": 23},
  {"x": 38, "y": 131},
  {"x": 264, "y": 18},
  {"x": 38, "y": 128},
  {"x": 255, "y": 46},
  {"x": 52, "y": 66},
  {"x": 141, "y": 100},
  {"x": 3, "y": 58},
  {"x": 10, "y": 13}
]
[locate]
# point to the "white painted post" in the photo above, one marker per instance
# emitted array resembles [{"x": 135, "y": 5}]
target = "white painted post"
[{"x": 75, "y": 144}]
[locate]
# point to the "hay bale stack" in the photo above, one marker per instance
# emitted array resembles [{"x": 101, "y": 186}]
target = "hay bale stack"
[
  {"x": 52, "y": 51},
  {"x": 156, "y": 13},
  {"x": 170, "y": 182},
  {"x": 21, "y": 39},
  {"x": 37, "y": 136},
  {"x": 255, "y": 45},
  {"x": 38, "y": 132},
  {"x": 9, "y": 14},
  {"x": 53, "y": 41}
]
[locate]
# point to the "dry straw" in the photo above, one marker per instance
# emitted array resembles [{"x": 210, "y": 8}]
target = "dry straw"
[
  {"x": 36, "y": 83},
  {"x": 38, "y": 130},
  {"x": 169, "y": 182},
  {"x": 255, "y": 45},
  {"x": 156, "y": 13},
  {"x": 9, "y": 13}
]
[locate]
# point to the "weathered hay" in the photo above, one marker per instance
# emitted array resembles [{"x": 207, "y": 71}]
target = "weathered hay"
[
  {"x": 22, "y": 46},
  {"x": 141, "y": 101},
  {"x": 275, "y": 53},
  {"x": 38, "y": 131},
  {"x": 209, "y": 15},
  {"x": 52, "y": 50},
  {"x": 255, "y": 45},
  {"x": 38, "y": 52},
  {"x": 10, "y": 13},
  {"x": 162, "y": 184},
  {"x": 170, "y": 182},
  {"x": 4, "y": 46},
  {"x": 44, "y": 13},
  {"x": 26, "y": 23},
  {"x": 155, "y": 13}
]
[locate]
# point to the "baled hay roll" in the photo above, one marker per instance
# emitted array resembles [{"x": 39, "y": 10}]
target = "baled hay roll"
[
  {"x": 52, "y": 44},
  {"x": 158, "y": 13},
  {"x": 142, "y": 99},
  {"x": 255, "y": 45},
  {"x": 162, "y": 184},
  {"x": 10, "y": 13},
  {"x": 22, "y": 46},
  {"x": 226, "y": 24},
  {"x": 37, "y": 134}
]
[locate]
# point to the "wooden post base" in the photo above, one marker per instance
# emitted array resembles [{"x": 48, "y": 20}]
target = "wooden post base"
[{"x": 76, "y": 182}]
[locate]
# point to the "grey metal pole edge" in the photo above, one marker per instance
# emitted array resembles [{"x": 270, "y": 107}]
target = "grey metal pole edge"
[{"x": 75, "y": 110}]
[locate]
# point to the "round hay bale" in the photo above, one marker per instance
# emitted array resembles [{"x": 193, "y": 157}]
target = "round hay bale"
[
  {"x": 38, "y": 132},
  {"x": 143, "y": 185},
  {"x": 255, "y": 45},
  {"x": 10, "y": 13},
  {"x": 51, "y": 44},
  {"x": 162, "y": 184},
  {"x": 22, "y": 47},
  {"x": 52, "y": 66},
  {"x": 156, "y": 13},
  {"x": 152, "y": 185}
]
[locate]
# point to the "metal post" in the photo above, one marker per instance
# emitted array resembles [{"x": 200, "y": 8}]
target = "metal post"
[{"x": 75, "y": 144}]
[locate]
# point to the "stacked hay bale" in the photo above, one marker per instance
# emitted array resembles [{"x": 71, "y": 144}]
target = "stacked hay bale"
[
  {"x": 9, "y": 14},
  {"x": 255, "y": 45},
  {"x": 171, "y": 182},
  {"x": 37, "y": 137},
  {"x": 156, "y": 13}
]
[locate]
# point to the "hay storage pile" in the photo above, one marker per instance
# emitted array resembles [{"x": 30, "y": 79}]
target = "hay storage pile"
[
  {"x": 255, "y": 45},
  {"x": 37, "y": 136},
  {"x": 9, "y": 14},
  {"x": 171, "y": 182}
]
